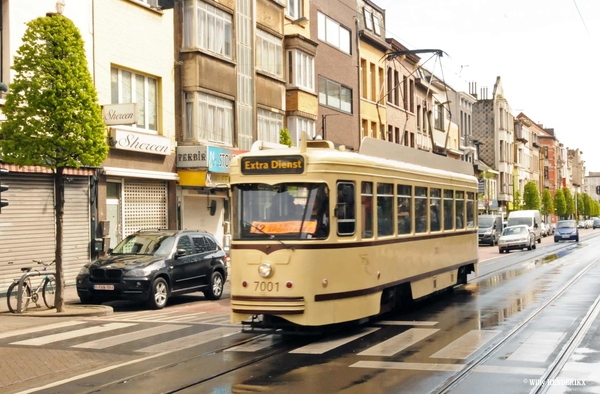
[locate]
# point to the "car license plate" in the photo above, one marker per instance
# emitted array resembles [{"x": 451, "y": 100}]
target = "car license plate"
[
  {"x": 104, "y": 287},
  {"x": 566, "y": 236}
]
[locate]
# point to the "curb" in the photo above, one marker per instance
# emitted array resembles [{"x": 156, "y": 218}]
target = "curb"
[{"x": 69, "y": 311}]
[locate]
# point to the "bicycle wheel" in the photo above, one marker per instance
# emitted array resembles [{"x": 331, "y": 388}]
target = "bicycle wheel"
[
  {"x": 49, "y": 291},
  {"x": 13, "y": 292}
]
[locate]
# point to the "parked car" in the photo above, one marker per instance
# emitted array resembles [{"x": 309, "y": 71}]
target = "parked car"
[
  {"x": 582, "y": 224},
  {"x": 566, "y": 230},
  {"x": 516, "y": 237},
  {"x": 596, "y": 224},
  {"x": 151, "y": 266}
]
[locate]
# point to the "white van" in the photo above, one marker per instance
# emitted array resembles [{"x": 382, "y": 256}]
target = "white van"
[{"x": 531, "y": 218}]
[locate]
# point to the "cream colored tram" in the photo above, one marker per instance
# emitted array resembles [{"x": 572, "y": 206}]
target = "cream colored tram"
[{"x": 322, "y": 236}]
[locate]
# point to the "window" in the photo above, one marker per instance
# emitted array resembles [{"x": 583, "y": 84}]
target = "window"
[
  {"x": 385, "y": 209},
  {"x": 438, "y": 116},
  {"x": 435, "y": 208},
  {"x": 368, "y": 19},
  {"x": 207, "y": 27},
  {"x": 335, "y": 95},
  {"x": 366, "y": 206},
  {"x": 448, "y": 209},
  {"x": 208, "y": 118},
  {"x": 269, "y": 125},
  {"x": 269, "y": 54},
  {"x": 301, "y": 70},
  {"x": 298, "y": 124},
  {"x": 404, "y": 209},
  {"x": 345, "y": 208},
  {"x": 471, "y": 210},
  {"x": 460, "y": 210},
  {"x": 420, "y": 209},
  {"x": 333, "y": 33},
  {"x": 294, "y": 9},
  {"x": 376, "y": 25},
  {"x": 129, "y": 87},
  {"x": 185, "y": 244}
]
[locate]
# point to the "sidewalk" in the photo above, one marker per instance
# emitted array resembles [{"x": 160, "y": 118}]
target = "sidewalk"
[{"x": 73, "y": 307}]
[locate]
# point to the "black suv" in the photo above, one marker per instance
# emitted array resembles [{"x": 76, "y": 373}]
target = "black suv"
[{"x": 152, "y": 266}]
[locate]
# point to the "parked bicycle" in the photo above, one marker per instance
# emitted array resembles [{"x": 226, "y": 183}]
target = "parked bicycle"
[{"x": 47, "y": 287}]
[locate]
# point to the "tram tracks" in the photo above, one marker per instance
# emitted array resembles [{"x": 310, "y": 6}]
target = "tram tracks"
[{"x": 562, "y": 357}]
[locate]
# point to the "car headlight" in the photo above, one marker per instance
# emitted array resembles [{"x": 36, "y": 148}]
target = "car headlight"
[
  {"x": 488, "y": 232},
  {"x": 85, "y": 270},
  {"x": 145, "y": 271}
]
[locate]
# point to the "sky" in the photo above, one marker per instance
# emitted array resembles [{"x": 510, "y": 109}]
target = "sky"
[{"x": 547, "y": 53}]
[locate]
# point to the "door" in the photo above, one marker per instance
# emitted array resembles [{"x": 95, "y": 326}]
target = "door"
[
  {"x": 113, "y": 212},
  {"x": 186, "y": 268},
  {"x": 206, "y": 249}
]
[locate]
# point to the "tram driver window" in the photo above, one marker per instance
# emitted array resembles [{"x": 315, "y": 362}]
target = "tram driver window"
[
  {"x": 420, "y": 209},
  {"x": 345, "y": 209},
  {"x": 366, "y": 204},
  {"x": 404, "y": 209}
]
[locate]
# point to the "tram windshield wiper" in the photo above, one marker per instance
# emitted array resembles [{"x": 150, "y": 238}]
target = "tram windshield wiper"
[{"x": 271, "y": 236}]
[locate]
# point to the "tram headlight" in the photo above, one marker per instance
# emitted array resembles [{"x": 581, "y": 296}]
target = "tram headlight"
[{"x": 265, "y": 270}]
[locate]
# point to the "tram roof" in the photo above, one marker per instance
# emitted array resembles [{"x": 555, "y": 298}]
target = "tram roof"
[{"x": 375, "y": 152}]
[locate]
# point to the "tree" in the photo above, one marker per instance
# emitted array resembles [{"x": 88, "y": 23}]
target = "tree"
[
  {"x": 284, "y": 137},
  {"x": 587, "y": 204},
  {"x": 569, "y": 201},
  {"x": 54, "y": 119},
  {"x": 559, "y": 203},
  {"x": 580, "y": 206},
  {"x": 517, "y": 203},
  {"x": 547, "y": 204},
  {"x": 531, "y": 196}
]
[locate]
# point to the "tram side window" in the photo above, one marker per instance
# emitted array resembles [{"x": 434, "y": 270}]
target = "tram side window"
[
  {"x": 470, "y": 210},
  {"x": 420, "y": 209},
  {"x": 345, "y": 208},
  {"x": 448, "y": 209},
  {"x": 460, "y": 210},
  {"x": 404, "y": 209},
  {"x": 385, "y": 209},
  {"x": 435, "y": 209},
  {"x": 366, "y": 204}
]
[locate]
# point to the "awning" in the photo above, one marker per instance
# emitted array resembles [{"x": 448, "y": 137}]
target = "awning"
[{"x": 46, "y": 170}]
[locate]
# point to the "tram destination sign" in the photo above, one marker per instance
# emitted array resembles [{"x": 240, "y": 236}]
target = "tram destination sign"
[{"x": 271, "y": 165}]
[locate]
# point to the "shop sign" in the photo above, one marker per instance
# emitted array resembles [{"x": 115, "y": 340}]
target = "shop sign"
[
  {"x": 218, "y": 159},
  {"x": 140, "y": 142},
  {"x": 214, "y": 179},
  {"x": 118, "y": 114},
  {"x": 192, "y": 156}
]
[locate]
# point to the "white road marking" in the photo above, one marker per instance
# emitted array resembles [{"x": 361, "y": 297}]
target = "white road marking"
[
  {"x": 72, "y": 334},
  {"x": 538, "y": 347},
  {"x": 130, "y": 337},
  {"x": 31, "y": 330},
  {"x": 406, "y": 323},
  {"x": 190, "y": 340},
  {"x": 437, "y": 367},
  {"x": 399, "y": 342},
  {"x": 466, "y": 345},
  {"x": 326, "y": 345}
]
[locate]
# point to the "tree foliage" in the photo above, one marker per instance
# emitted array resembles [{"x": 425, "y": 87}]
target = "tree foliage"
[
  {"x": 53, "y": 116},
  {"x": 547, "y": 207},
  {"x": 570, "y": 203},
  {"x": 531, "y": 196},
  {"x": 560, "y": 203},
  {"x": 284, "y": 137},
  {"x": 580, "y": 206}
]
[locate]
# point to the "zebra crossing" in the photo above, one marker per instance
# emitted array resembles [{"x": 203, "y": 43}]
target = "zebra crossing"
[
  {"x": 172, "y": 316},
  {"x": 147, "y": 336}
]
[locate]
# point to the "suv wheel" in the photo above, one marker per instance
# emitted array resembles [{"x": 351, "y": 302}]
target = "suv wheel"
[
  {"x": 215, "y": 290},
  {"x": 159, "y": 294}
]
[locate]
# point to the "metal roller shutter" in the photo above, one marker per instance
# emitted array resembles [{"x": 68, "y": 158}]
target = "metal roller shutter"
[
  {"x": 76, "y": 227},
  {"x": 26, "y": 225},
  {"x": 145, "y": 205}
]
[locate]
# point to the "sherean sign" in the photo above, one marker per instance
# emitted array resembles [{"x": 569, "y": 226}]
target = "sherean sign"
[
  {"x": 140, "y": 142},
  {"x": 114, "y": 114}
]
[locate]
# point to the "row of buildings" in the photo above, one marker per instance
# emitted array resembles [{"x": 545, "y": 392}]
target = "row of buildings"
[{"x": 201, "y": 80}]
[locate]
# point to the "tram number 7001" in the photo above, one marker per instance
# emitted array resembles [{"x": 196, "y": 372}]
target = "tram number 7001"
[{"x": 266, "y": 286}]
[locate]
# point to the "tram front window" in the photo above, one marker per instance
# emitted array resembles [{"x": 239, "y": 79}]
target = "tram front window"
[{"x": 284, "y": 211}]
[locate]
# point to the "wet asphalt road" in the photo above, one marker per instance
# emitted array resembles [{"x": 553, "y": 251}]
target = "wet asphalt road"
[{"x": 497, "y": 334}]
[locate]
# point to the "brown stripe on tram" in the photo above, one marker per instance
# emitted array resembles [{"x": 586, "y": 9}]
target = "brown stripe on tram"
[
  {"x": 271, "y": 248},
  {"x": 267, "y": 299},
  {"x": 362, "y": 292}
]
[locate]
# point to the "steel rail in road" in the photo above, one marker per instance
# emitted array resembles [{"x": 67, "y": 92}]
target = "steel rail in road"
[{"x": 464, "y": 373}]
